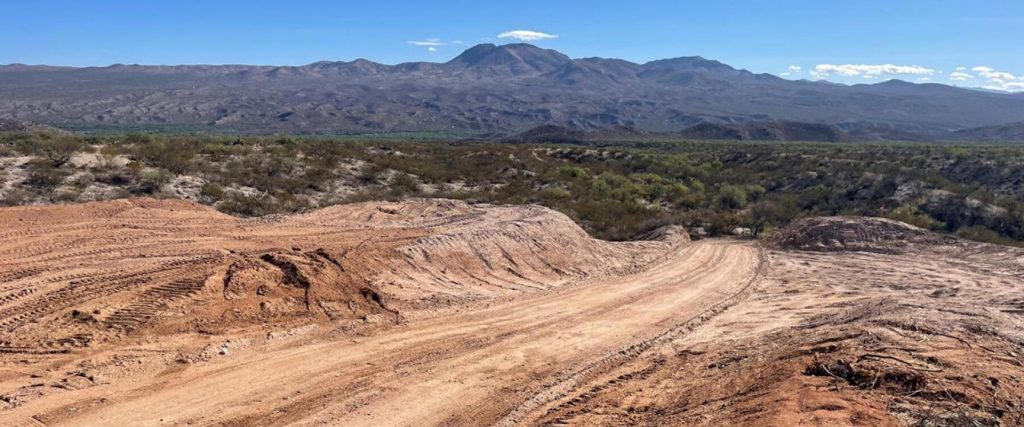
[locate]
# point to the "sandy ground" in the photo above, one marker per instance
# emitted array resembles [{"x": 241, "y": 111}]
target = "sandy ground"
[{"x": 434, "y": 312}]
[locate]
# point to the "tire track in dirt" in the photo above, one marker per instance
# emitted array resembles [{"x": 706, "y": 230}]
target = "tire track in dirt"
[
  {"x": 99, "y": 284},
  {"x": 112, "y": 260},
  {"x": 492, "y": 359}
]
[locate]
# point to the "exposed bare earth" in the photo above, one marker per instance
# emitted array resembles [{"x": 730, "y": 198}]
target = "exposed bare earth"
[{"x": 148, "y": 312}]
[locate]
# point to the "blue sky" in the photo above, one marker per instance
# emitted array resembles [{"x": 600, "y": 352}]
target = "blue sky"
[{"x": 850, "y": 42}]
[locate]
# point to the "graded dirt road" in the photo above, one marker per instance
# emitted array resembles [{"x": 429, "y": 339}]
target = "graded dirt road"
[
  {"x": 478, "y": 368},
  {"x": 435, "y": 312}
]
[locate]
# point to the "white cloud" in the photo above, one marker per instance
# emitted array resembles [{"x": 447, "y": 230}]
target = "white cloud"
[
  {"x": 924, "y": 79},
  {"x": 853, "y": 70},
  {"x": 1007, "y": 87},
  {"x": 427, "y": 42},
  {"x": 997, "y": 80},
  {"x": 526, "y": 35},
  {"x": 961, "y": 68},
  {"x": 792, "y": 69},
  {"x": 990, "y": 73},
  {"x": 960, "y": 76},
  {"x": 432, "y": 49}
]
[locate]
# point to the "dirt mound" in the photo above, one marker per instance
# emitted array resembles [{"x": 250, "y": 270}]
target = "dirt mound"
[
  {"x": 441, "y": 312},
  {"x": 287, "y": 284},
  {"x": 73, "y": 274},
  {"x": 827, "y": 234},
  {"x": 668, "y": 233},
  {"x": 502, "y": 251}
]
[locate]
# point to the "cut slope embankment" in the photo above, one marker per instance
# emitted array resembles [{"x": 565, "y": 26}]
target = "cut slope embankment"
[{"x": 74, "y": 274}]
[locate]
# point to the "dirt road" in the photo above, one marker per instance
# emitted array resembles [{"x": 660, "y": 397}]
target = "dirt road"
[
  {"x": 495, "y": 365},
  {"x": 438, "y": 312}
]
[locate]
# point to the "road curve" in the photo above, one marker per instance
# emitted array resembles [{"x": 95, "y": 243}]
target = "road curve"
[{"x": 498, "y": 365}]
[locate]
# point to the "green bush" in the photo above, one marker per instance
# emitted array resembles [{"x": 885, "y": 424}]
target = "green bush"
[
  {"x": 555, "y": 193},
  {"x": 616, "y": 191},
  {"x": 731, "y": 197},
  {"x": 212, "y": 191},
  {"x": 910, "y": 214},
  {"x": 176, "y": 158},
  {"x": 150, "y": 182},
  {"x": 572, "y": 172},
  {"x": 57, "y": 150}
]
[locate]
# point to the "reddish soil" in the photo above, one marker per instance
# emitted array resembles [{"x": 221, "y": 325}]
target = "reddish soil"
[{"x": 146, "y": 312}]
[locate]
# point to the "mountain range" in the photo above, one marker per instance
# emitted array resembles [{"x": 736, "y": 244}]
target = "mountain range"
[{"x": 489, "y": 89}]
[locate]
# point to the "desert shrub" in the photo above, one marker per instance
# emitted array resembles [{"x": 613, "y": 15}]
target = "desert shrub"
[
  {"x": 724, "y": 223},
  {"x": 82, "y": 181},
  {"x": 572, "y": 172},
  {"x": 911, "y": 214},
  {"x": 176, "y": 158},
  {"x": 212, "y": 191},
  {"x": 318, "y": 176},
  {"x": 982, "y": 234},
  {"x": 16, "y": 197},
  {"x": 151, "y": 181},
  {"x": 217, "y": 152},
  {"x": 112, "y": 150},
  {"x": 57, "y": 150},
  {"x": 134, "y": 167},
  {"x": 370, "y": 174},
  {"x": 770, "y": 213},
  {"x": 685, "y": 196},
  {"x": 246, "y": 204},
  {"x": 120, "y": 177},
  {"x": 65, "y": 196},
  {"x": 614, "y": 190},
  {"x": 43, "y": 175},
  {"x": 403, "y": 184},
  {"x": 610, "y": 185},
  {"x": 139, "y": 139},
  {"x": 731, "y": 197},
  {"x": 555, "y": 193}
]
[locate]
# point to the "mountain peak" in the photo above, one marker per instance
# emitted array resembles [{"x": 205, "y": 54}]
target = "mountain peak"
[
  {"x": 517, "y": 58},
  {"x": 690, "y": 63}
]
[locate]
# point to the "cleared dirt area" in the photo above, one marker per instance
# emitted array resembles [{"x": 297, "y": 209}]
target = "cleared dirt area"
[{"x": 426, "y": 312}]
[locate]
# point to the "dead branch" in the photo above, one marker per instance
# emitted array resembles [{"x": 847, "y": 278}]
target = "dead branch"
[{"x": 911, "y": 365}]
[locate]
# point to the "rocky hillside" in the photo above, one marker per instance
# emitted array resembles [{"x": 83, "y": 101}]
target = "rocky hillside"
[
  {"x": 1007, "y": 132},
  {"x": 487, "y": 88}
]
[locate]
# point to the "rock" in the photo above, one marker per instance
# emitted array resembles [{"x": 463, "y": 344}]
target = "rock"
[
  {"x": 667, "y": 233},
  {"x": 742, "y": 232}
]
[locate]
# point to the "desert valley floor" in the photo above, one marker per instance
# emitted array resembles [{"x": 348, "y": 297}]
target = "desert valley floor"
[{"x": 438, "y": 312}]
